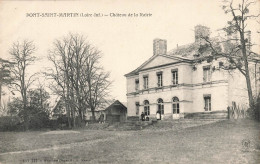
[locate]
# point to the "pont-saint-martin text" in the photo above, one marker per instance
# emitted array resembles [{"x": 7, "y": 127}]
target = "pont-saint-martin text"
[{"x": 86, "y": 15}]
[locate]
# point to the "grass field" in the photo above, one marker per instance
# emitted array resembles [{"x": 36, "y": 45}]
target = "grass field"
[{"x": 219, "y": 142}]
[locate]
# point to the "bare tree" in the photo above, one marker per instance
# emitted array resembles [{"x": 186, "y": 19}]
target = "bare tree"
[
  {"x": 79, "y": 78},
  {"x": 97, "y": 82},
  {"x": 22, "y": 56},
  {"x": 60, "y": 75},
  {"x": 238, "y": 50}
]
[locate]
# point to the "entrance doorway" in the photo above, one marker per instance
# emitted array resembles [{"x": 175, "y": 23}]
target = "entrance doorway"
[
  {"x": 175, "y": 108},
  {"x": 160, "y": 109}
]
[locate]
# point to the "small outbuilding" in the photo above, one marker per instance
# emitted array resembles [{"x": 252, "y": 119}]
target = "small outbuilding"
[{"x": 116, "y": 112}]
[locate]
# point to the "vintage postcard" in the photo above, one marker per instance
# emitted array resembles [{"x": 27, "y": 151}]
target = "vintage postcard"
[{"x": 134, "y": 81}]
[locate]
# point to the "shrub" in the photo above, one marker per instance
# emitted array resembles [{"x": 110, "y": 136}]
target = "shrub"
[
  {"x": 62, "y": 119},
  {"x": 39, "y": 120},
  {"x": 10, "y": 123},
  {"x": 254, "y": 112}
]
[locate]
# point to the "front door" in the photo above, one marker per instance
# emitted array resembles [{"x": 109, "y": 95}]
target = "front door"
[{"x": 160, "y": 110}]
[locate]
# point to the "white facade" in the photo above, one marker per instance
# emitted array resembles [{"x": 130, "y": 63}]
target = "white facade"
[{"x": 201, "y": 86}]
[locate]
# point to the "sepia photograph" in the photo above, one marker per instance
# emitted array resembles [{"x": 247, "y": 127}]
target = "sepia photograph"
[{"x": 126, "y": 82}]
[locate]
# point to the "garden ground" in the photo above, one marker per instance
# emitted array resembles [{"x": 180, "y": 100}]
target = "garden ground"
[{"x": 228, "y": 141}]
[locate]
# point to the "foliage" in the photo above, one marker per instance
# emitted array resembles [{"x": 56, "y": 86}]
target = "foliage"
[
  {"x": 5, "y": 73},
  {"x": 37, "y": 119},
  {"x": 38, "y": 99},
  {"x": 59, "y": 108},
  {"x": 5, "y": 79},
  {"x": 37, "y": 109},
  {"x": 10, "y": 123},
  {"x": 15, "y": 106},
  {"x": 255, "y": 111}
]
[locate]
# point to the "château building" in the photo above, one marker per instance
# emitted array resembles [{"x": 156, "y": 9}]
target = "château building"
[{"x": 186, "y": 80}]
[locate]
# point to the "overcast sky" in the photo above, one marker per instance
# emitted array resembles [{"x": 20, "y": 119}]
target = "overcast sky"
[{"x": 126, "y": 42}]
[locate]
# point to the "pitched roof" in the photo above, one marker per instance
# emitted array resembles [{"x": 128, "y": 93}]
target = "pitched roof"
[
  {"x": 191, "y": 52},
  {"x": 173, "y": 57},
  {"x": 116, "y": 103},
  {"x": 185, "y": 51}
]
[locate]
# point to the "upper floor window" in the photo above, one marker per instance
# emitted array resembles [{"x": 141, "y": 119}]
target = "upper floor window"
[
  {"x": 146, "y": 82},
  {"x": 159, "y": 79},
  {"x": 136, "y": 84},
  {"x": 206, "y": 74},
  {"x": 174, "y": 76}
]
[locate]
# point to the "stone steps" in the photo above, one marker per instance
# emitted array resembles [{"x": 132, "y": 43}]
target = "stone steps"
[
  {"x": 207, "y": 115},
  {"x": 130, "y": 125}
]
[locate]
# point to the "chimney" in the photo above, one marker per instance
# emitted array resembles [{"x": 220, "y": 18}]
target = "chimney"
[
  {"x": 159, "y": 46},
  {"x": 201, "y": 32}
]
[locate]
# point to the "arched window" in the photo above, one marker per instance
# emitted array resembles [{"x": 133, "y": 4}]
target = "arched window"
[
  {"x": 160, "y": 106},
  {"x": 175, "y": 105},
  {"x": 146, "y": 108}
]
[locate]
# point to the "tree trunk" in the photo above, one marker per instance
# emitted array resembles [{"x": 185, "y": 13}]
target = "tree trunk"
[
  {"x": 247, "y": 74},
  {"x": 73, "y": 106},
  {"x": 80, "y": 112},
  {"x": 93, "y": 114},
  {"x": 69, "y": 120},
  {"x": 249, "y": 90},
  {"x": 26, "y": 118},
  {"x": 67, "y": 112},
  {"x": 26, "y": 122}
]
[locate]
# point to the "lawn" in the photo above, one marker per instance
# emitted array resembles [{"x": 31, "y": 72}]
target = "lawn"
[{"x": 219, "y": 142}]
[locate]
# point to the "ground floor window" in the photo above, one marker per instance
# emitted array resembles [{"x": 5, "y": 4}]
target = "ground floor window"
[
  {"x": 175, "y": 105},
  {"x": 137, "y": 105},
  {"x": 160, "y": 106},
  {"x": 207, "y": 102},
  {"x": 146, "y": 108}
]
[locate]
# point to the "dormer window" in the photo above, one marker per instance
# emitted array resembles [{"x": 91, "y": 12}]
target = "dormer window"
[{"x": 159, "y": 79}]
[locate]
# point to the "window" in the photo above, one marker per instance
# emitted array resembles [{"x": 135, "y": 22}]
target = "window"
[
  {"x": 146, "y": 82},
  {"x": 206, "y": 74},
  {"x": 146, "y": 108},
  {"x": 175, "y": 77},
  {"x": 136, "y": 84},
  {"x": 207, "y": 102},
  {"x": 137, "y": 105},
  {"x": 175, "y": 105},
  {"x": 160, "y": 106},
  {"x": 160, "y": 79}
]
